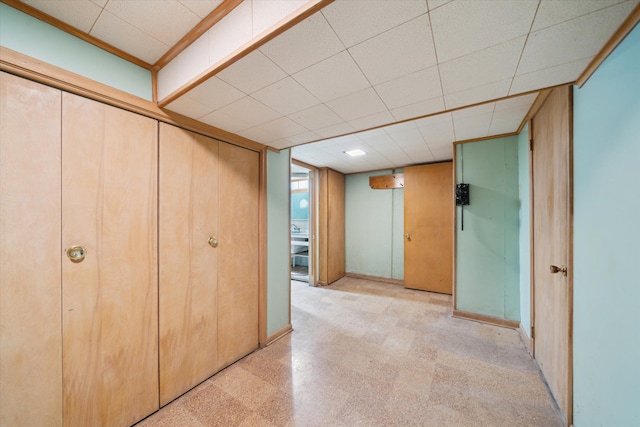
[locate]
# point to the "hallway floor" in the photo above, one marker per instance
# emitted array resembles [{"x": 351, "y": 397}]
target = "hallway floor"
[{"x": 367, "y": 353}]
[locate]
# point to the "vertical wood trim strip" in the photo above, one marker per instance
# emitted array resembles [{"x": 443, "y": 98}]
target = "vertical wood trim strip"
[
  {"x": 570, "y": 258},
  {"x": 262, "y": 268},
  {"x": 532, "y": 312}
]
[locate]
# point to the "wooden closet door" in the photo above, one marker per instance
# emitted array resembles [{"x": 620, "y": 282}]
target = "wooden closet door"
[
  {"x": 30, "y": 326},
  {"x": 238, "y": 256},
  {"x": 110, "y": 301},
  {"x": 428, "y": 225},
  {"x": 188, "y": 263}
]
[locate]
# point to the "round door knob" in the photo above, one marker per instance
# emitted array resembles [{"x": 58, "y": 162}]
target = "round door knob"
[
  {"x": 555, "y": 269},
  {"x": 76, "y": 253},
  {"x": 213, "y": 242}
]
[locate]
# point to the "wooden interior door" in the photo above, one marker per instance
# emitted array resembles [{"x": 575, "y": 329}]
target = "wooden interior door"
[
  {"x": 238, "y": 255},
  {"x": 331, "y": 260},
  {"x": 428, "y": 225},
  {"x": 552, "y": 171},
  {"x": 188, "y": 263},
  {"x": 30, "y": 279},
  {"x": 109, "y": 300}
]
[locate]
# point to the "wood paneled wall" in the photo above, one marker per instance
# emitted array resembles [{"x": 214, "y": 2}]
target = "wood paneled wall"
[{"x": 331, "y": 189}]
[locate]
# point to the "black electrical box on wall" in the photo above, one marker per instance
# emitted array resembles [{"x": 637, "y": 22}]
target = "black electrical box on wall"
[{"x": 462, "y": 194}]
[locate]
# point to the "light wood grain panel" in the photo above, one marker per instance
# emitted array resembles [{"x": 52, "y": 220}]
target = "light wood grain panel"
[
  {"x": 552, "y": 222},
  {"x": 30, "y": 279},
  {"x": 110, "y": 301},
  {"x": 336, "y": 226},
  {"x": 323, "y": 225},
  {"x": 385, "y": 182},
  {"x": 238, "y": 258},
  {"x": 188, "y": 216},
  {"x": 428, "y": 220}
]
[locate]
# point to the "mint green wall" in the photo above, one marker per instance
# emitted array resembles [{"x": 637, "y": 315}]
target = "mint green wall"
[
  {"x": 374, "y": 221},
  {"x": 29, "y": 36},
  {"x": 278, "y": 232},
  {"x": 525, "y": 229},
  {"x": 606, "y": 334},
  {"x": 487, "y": 251}
]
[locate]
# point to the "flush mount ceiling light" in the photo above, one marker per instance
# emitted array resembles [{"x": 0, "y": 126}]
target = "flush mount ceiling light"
[{"x": 355, "y": 153}]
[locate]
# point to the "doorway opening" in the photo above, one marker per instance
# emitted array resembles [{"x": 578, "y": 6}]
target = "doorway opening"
[{"x": 302, "y": 228}]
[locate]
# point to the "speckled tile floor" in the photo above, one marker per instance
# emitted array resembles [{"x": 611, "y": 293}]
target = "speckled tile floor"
[{"x": 367, "y": 353}]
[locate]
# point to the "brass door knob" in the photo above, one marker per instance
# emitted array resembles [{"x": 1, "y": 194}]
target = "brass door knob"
[
  {"x": 213, "y": 242},
  {"x": 76, "y": 253},
  {"x": 408, "y": 236},
  {"x": 555, "y": 269}
]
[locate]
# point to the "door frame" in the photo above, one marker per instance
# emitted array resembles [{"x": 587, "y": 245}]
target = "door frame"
[
  {"x": 313, "y": 223},
  {"x": 532, "y": 333}
]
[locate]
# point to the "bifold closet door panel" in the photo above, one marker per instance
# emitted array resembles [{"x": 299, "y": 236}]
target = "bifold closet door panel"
[
  {"x": 110, "y": 298},
  {"x": 188, "y": 261},
  {"x": 239, "y": 255},
  {"x": 30, "y": 255}
]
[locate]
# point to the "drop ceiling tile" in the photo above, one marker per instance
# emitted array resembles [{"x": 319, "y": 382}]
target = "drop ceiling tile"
[
  {"x": 167, "y": 21},
  {"x": 506, "y": 121},
  {"x": 80, "y": 14},
  {"x": 332, "y": 78},
  {"x": 419, "y": 109},
  {"x": 286, "y": 97},
  {"x": 309, "y": 42},
  {"x": 471, "y": 126},
  {"x": 316, "y": 117},
  {"x": 516, "y": 102},
  {"x": 357, "y": 20},
  {"x": 410, "y": 89},
  {"x": 442, "y": 153},
  {"x": 478, "y": 94},
  {"x": 552, "y": 12},
  {"x": 226, "y": 121},
  {"x": 478, "y": 110},
  {"x": 422, "y": 155},
  {"x": 274, "y": 130},
  {"x": 101, "y": 3},
  {"x": 458, "y": 31},
  {"x": 130, "y": 39},
  {"x": 371, "y": 121},
  {"x": 357, "y": 105},
  {"x": 303, "y": 138},
  {"x": 268, "y": 13},
  {"x": 202, "y": 8},
  {"x": 248, "y": 110},
  {"x": 397, "y": 52},
  {"x": 573, "y": 40},
  {"x": 215, "y": 93},
  {"x": 184, "y": 67},
  {"x": 552, "y": 76},
  {"x": 489, "y": 65},
  {"x": 251, "y": 73},
  {"x": 230, "y": 33},
  {"x": 334, "y": 130},
  {"x": 437, "y": 132},
  {"x": 189, "y": 107},
  {"x": 434, "y": 4}
]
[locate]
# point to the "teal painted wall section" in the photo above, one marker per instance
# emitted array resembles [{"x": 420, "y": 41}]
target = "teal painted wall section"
[
  {"x": 278, "y": 232},
  {"x": 606, "y": 333},
  {"x": 487, "y": 251},
  {"x": 29, "y": 36},
  {"x": 525, "y": 229},
  {"x": 373, "y": 219}
]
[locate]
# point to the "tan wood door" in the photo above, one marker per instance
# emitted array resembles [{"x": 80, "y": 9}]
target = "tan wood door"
[
  {"x": 238, "y": 255},
  {"x": 331, "y": 243},
  {"x": 110, "y": 300},
  {"x": 428, "y": 227},
  {"x": 30, "y": 326},
  {"x": 551, "y": 237},
  {"x": 188, "y": 263}
]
